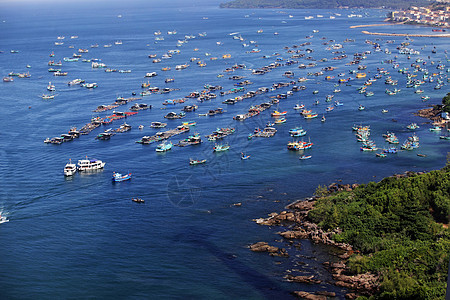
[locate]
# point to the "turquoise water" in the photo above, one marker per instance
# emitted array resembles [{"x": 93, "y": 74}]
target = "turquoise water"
[{"x": 84, "y": 237}]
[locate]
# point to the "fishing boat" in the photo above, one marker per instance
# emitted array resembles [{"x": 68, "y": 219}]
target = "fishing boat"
[
  {"x": 436, "y": 128},
  {"x": 70, "y": 168},
  {"x": 311, "y": 116},
  {"x": 382, "y": 154},
  {"x": 118, "y": 177},
  {"x": 280, "y": 121},
  {"x": 298, "y": 106},
  {"x": 305, "y": 157},
  {"x": 164, "y": 146},
  {"x": 220, "y": 148},
  {"x": 412, "y": 126},
  {"x": 299, "y": 145},
  {"x": 44, "y": 96},
  {"x": 158, "y": 125},
  {"x": 361, "y": 107},
  {"x": 297, "y": 131},
  {"x": 194, "y": 162},
  {"x": 278, "y": 114},
  {"x": 51, "y": 87},
  {"x": 138, "y": 200},
  {"x": 189, "y": 123},
  {"x": 392, "y": 150},
  {"x": 85, "y": 165},
  {"x": 323, "y": 119}
]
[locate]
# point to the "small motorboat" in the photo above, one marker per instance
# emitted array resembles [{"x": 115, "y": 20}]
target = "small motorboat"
[
  {"x": 117, "y": 177},
  {"x": 138, "y": 200},
  {"x": 220, "y": 148},
  {"x": 164, "y": 146},
  {"x": 194, "y": 162},
  {"x": 304, "y": 157},
  {"x": 3, "y": 219},
  {"x": 244, "y": 156}
]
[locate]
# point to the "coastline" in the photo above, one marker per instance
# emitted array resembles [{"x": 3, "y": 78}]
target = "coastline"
[
  {"x": 297, "y": 225},
  {"x": 406, "y": 34}
]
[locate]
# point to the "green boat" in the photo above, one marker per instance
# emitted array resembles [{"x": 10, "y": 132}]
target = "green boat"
[{"x": 220, "y": 148}]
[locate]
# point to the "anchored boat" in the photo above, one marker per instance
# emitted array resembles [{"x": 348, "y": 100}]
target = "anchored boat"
[{"x": 117, "y": 177}]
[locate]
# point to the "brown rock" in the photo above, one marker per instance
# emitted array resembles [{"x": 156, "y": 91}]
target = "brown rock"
[
  {"x": 327, "y": 294},
  {"x": 281, "y": 253},
  {"x": 344, "y": 284},
  {"x": 306, "y": 295},
  {"x": 263, "y": 247},
  {"x": 302, "y": 279},
  {"x": 294, "y": 234},
  {"x": 351, "y": 296}
]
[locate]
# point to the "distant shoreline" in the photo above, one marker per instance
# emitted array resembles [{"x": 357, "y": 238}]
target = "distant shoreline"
[
  {"x": 445, "y": 35},
  {"x": 406, "y": 34},
  {"x": 374, "y": 25}
]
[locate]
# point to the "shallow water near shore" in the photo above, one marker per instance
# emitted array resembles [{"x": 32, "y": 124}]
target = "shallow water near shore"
[{"x": 84, "y": 237}]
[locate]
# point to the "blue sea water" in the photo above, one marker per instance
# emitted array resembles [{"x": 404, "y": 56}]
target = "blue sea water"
[{"x": 83, "y": 237}]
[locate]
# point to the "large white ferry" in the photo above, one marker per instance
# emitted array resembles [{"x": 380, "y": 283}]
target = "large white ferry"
[{"x": 90, "y": 165}]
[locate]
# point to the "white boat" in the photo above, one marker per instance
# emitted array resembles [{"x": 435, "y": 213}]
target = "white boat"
[
  {"x": 51, "y": 87},
  {"x": 90, "y": 165},
  {"x": 70, "y": 168},
  {"x": 3, "y": 219}
]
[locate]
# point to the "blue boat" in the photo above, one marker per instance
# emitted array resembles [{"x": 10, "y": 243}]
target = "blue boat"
[
  {"x": 244, "y": 156},
  {"x": 163, "y": 147},
  {"x": 117, "y": 177},
  {"x": 297, "y": 131}
]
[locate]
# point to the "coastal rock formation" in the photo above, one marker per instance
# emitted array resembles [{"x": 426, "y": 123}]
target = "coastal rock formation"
[
  {"x": 301, "y": 228},
  {"x": 272, "y": 250},
  {"x": 432, "y": 113},
  {"x": 309, "y": 296},
  {"x": 276, "y": 219},
  {"x": 302, "y": 279}
]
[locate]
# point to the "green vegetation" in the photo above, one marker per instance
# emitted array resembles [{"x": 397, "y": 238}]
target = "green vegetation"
[
  {"x": 400, "y": 228},
  {"x": 446, "y": 103},
  {"x": 298, "y": 4}
]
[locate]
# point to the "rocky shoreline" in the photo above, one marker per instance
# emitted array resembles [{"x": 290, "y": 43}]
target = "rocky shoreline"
[
  {"x": 295, "y": 217},
  {"x": 432, "y": 113}
]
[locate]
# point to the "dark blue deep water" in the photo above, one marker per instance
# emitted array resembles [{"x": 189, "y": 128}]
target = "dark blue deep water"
[{"x": 83, "y": 237}]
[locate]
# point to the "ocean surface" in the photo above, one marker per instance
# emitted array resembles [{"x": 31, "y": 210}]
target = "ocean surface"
[{"x": 82, "y": 237}]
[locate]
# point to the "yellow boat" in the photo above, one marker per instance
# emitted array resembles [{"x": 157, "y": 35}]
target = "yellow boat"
[{"x": 361, "y": 75}]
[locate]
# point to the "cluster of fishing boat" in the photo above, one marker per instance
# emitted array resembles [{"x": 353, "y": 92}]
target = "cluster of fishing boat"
[{"x": 240, "y": 91}]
